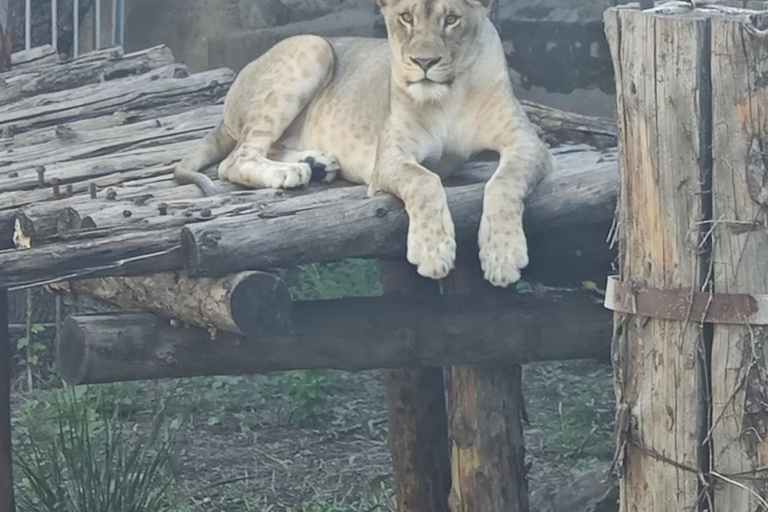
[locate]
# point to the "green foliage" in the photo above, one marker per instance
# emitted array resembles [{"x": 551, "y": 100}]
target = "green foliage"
[
  {"x": 84, "y": 462},
  {"x": 581, "y": 426},
  {"x": 304, "y": 394},
  {"x": 348, "y": 278},
  {"x": 34, "y": 355}
]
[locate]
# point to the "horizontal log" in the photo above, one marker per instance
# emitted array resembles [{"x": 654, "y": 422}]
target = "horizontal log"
[
  {"x": 560, "y": 126},
  {"x": 318, "y": 227},
  {"x": 74, "y": 148},
  {"x": 103, "y": 65},
  {"x": 128, "y": 94},
  {"x": 345, "y": 334},
  {"x": 250, "y": 303},
  {"x": 39, "y": 56},
  {"x": 581, "y": 195}
]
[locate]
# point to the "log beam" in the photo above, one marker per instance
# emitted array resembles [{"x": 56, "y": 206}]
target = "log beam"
[
  {"x": 345, "y": 334},
  {"x": 249, "y": 303}
]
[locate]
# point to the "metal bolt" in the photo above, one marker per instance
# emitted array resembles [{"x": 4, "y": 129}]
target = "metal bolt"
[
  {"x": 162, "y": 208},
  {"x": 205, "y": 213},
  {"x": 40, "y": 176},
  {"x": 127, "y": 213},
  {"x": 56, "y": 191},
  {"x": 70, "y": 191},
  {"x": 111, "y": 194},
  {"x": 92, "y": 190}
]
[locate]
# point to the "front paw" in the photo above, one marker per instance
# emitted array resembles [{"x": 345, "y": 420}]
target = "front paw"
[
  {"x": 432, "y": 246},
  {"x": 503, "y": 249}
]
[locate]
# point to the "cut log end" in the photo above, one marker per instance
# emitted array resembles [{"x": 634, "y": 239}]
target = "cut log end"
[
  {"x": 189, "y": 249},
  {"x": 261, "y": 304}
]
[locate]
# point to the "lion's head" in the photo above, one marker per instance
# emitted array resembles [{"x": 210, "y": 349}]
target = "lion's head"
[{"x": 433, "y": 42}]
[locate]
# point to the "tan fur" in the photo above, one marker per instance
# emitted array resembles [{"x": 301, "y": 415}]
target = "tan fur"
[{"x": 375, "y": 111}]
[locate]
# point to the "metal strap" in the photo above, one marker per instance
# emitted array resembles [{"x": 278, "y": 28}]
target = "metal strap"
[{"x": 683, "y": 305}]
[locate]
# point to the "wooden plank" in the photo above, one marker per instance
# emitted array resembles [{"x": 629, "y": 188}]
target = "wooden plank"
[
  {"x": 740, "y": 245},
  {"x": 6, "y": 458},
  {"x": 659, "y": 80},
  {"x": 6, "y": 43},
  {"x": 345, "y": 334}
]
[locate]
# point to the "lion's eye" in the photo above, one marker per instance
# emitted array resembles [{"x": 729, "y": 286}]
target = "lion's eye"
[
  {"x": 451, "y": 19},
  {"x": 406, "y": 18}
]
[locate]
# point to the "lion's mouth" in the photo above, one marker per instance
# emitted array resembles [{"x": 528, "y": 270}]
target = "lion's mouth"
[{"x": 429, "y": 81}]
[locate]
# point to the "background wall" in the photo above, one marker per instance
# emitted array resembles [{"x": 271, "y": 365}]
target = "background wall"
[{"x": 557, "y": 50}]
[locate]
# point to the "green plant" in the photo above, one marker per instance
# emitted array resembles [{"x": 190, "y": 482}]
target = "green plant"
[
  {"x": 31, "y": 351},
  {"x": 304, "y": 394},
  {"x": 90, "y": 464}
]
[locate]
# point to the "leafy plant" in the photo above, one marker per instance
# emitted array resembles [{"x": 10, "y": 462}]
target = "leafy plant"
[
  {"x": 90, "y": 464},
  {"x": 32, "y": 351},
  {"x": 304, "y": 394}
]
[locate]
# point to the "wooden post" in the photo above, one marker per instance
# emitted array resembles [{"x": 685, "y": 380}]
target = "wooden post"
[
  {"x": 6, "y": 48},
  {"x": 740, "y": 261},
  {"x": 418, "y": 425},
  {"x": 692, "y": 388},
  {"x": 485, "y": 408},
  {"x": 6, "y": 466}
]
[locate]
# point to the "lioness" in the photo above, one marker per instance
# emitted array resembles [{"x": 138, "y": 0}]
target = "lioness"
[{"x": 374, "y": 110}]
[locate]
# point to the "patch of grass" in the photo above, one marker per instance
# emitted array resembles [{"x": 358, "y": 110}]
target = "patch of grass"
[
  {"x": 348, "y": 278},
  {"x": 88, "y": 463},
  {"x": 576, "y": 417},
  {"x": 304, "y": 393}
]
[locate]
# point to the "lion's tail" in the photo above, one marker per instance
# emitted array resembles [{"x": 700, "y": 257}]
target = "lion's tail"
[{"x": 211, "y": 150}]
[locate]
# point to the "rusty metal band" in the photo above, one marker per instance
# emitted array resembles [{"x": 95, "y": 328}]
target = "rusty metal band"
[{"x": 684, "y": 305}]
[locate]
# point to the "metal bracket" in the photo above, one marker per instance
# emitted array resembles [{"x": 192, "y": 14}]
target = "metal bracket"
[{"x": 684, "y": 305}]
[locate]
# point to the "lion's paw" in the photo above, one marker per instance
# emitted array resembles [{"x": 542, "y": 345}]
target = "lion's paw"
[
  {"x": 287, "y": 175},
  {"x": 503, "y": 250},
  {"x": 432, "y": 246},
  {"x": 324, "y": 167}
]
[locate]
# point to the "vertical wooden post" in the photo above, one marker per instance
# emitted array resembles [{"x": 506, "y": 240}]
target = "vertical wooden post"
[
  {"x": 6, "y": 468},
  {"x": 485, "y": 410},
  {"x": 740, "y": 261},
  {"x": 692, "y": 107},
  {"x": 6, "y": 48},
  {"x": 661, "y": 71},
  {"x": 418, "y": 430}
]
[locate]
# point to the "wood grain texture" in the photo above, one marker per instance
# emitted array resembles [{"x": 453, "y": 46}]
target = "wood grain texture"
[
  {"x": 659, "y": 78},
  {"x": 250, "y": 303},
  {"x": 740, "y": 259},
  {"x": 418, "y": 421},
  {"x": 345, "y": 334}
]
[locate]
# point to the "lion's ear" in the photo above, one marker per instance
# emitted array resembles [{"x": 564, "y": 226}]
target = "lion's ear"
[{"x": 381, "y": 3}]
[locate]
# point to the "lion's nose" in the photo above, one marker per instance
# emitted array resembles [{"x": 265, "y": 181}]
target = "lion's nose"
[{"x": 426, "y": 63}]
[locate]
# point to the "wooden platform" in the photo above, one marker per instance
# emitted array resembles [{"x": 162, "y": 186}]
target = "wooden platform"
[{"x": 86, "y": 189}]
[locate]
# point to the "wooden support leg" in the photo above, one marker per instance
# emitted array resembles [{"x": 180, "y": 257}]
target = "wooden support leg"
[
  {"x": 418, "y": 425},
  {"x": 6, "y": 468},
  {"x": 488, "y": 453},
  {"x": 485, "y": 410},
  {"x": 418, "y": 437}
]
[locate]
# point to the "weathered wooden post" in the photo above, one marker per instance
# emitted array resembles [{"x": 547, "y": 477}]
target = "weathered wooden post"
[
  {"x": 5, "y": 36},
  {"x": 6, "y": 466},
  {"x": 691, "y": 343},
  {"x": 418, "y": 425},
  {"x": 485, "y": 410}
]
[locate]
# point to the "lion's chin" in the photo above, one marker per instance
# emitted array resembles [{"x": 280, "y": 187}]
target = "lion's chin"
[{"x": 427, "y": 91}]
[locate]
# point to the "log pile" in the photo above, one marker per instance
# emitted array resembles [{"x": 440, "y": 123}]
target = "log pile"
[{"x": 88, "y": 201}]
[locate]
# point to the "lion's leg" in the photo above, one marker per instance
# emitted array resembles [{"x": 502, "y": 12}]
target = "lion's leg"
[
  {"x": 284, "y": 82},
  {"x": 524, "y": 159},
  {"x": 324, "y": 166},
  {"x": 431, "y": 233}
]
